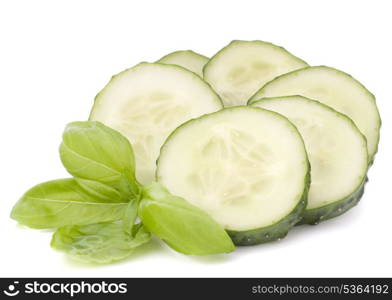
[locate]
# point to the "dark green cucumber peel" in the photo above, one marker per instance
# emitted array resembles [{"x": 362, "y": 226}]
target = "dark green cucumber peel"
[
  {"x": 332, "y": 210},
  {"x": 276, "y": 231}
]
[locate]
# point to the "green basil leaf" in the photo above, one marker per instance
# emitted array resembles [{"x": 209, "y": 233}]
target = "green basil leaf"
[
  {"x": 64, "y": 202},
  {"x": 99, "y": 243},
  {"x": 130, "y": 216},
  {"x": 184, "y": 227},
  {"x": 100, "y": 191},
  {"x": 93, "y": 151}
]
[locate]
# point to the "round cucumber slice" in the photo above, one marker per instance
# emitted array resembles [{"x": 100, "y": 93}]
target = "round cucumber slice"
[
  {"x": 333, "y": 88},
  {"x": 337, "y": 153},
  {"x": 147, "y": 102},
  {"x": 245, "y": 166},
  {"x": 187, "y": 59},
  {"x": 238, "y": 70}
]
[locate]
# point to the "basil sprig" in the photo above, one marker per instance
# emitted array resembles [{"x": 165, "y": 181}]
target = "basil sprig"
[{"x": 96, "y": 212}]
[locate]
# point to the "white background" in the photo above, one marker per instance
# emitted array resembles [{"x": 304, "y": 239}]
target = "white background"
[{"x": 56, "y": 55}]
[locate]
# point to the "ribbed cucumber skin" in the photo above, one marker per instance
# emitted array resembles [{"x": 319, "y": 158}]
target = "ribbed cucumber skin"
[
  {"x": 317, "y": 215},
  {"x": 276, "y": 231}
]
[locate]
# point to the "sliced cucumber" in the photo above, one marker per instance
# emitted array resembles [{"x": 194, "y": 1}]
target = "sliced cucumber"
[
  {"x": 147, "y": 102},
  {"x": 337, "y": 153},
  {"x": 336, "y": 89},
  {"x": 238, "y": 70},
  {"x": 187, "y": 59},
  {"x": 246, "y": 167}
]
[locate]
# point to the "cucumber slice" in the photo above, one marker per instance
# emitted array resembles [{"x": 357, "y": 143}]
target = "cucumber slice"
[
  {"x": 187, "y": 59},
  {"x": 147, "y": 102},
  {"x": 238, "y": 70},
  {"x": 336, "y": 89},
  {"x": 246, "y": 167},
  {"x": 337, "y": 152}
]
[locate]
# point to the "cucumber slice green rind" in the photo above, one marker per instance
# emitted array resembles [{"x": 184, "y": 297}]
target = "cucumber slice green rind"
[
  {"x": 147, "y": 102},
  {"x": 265, "y": 233},
  {"x": 372, "y": 134},
  {"x": 337, "y": 207},
  {"x": 187, "y": 59},
  {"x": 276, "y": 231},
  {"x": 237, "y": 84}
]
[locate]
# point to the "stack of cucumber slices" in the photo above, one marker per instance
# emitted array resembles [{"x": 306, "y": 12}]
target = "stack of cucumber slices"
[{"x": 253, "y": 139}]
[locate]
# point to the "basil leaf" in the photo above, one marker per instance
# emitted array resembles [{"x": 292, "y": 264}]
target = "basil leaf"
[
  {"x": 99, "y": 243},
  {"x": 64, "y": 202},
  {"x": 130, "y": 216},
  {"x": 100, "y": 191},
  {"x": 184, "y": 227},
  {"x": 93, "y": 151}
]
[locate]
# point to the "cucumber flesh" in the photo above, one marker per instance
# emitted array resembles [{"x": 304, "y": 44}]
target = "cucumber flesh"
[
  {"x": 233, "y": 165},
  {"x": 333, "y": 88},
  {"x": 187, "y": 59},
  {"x": 237, "y": 71},
  {"x": 147, "y": 102},
  {"x": 337, "y": 153}
]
